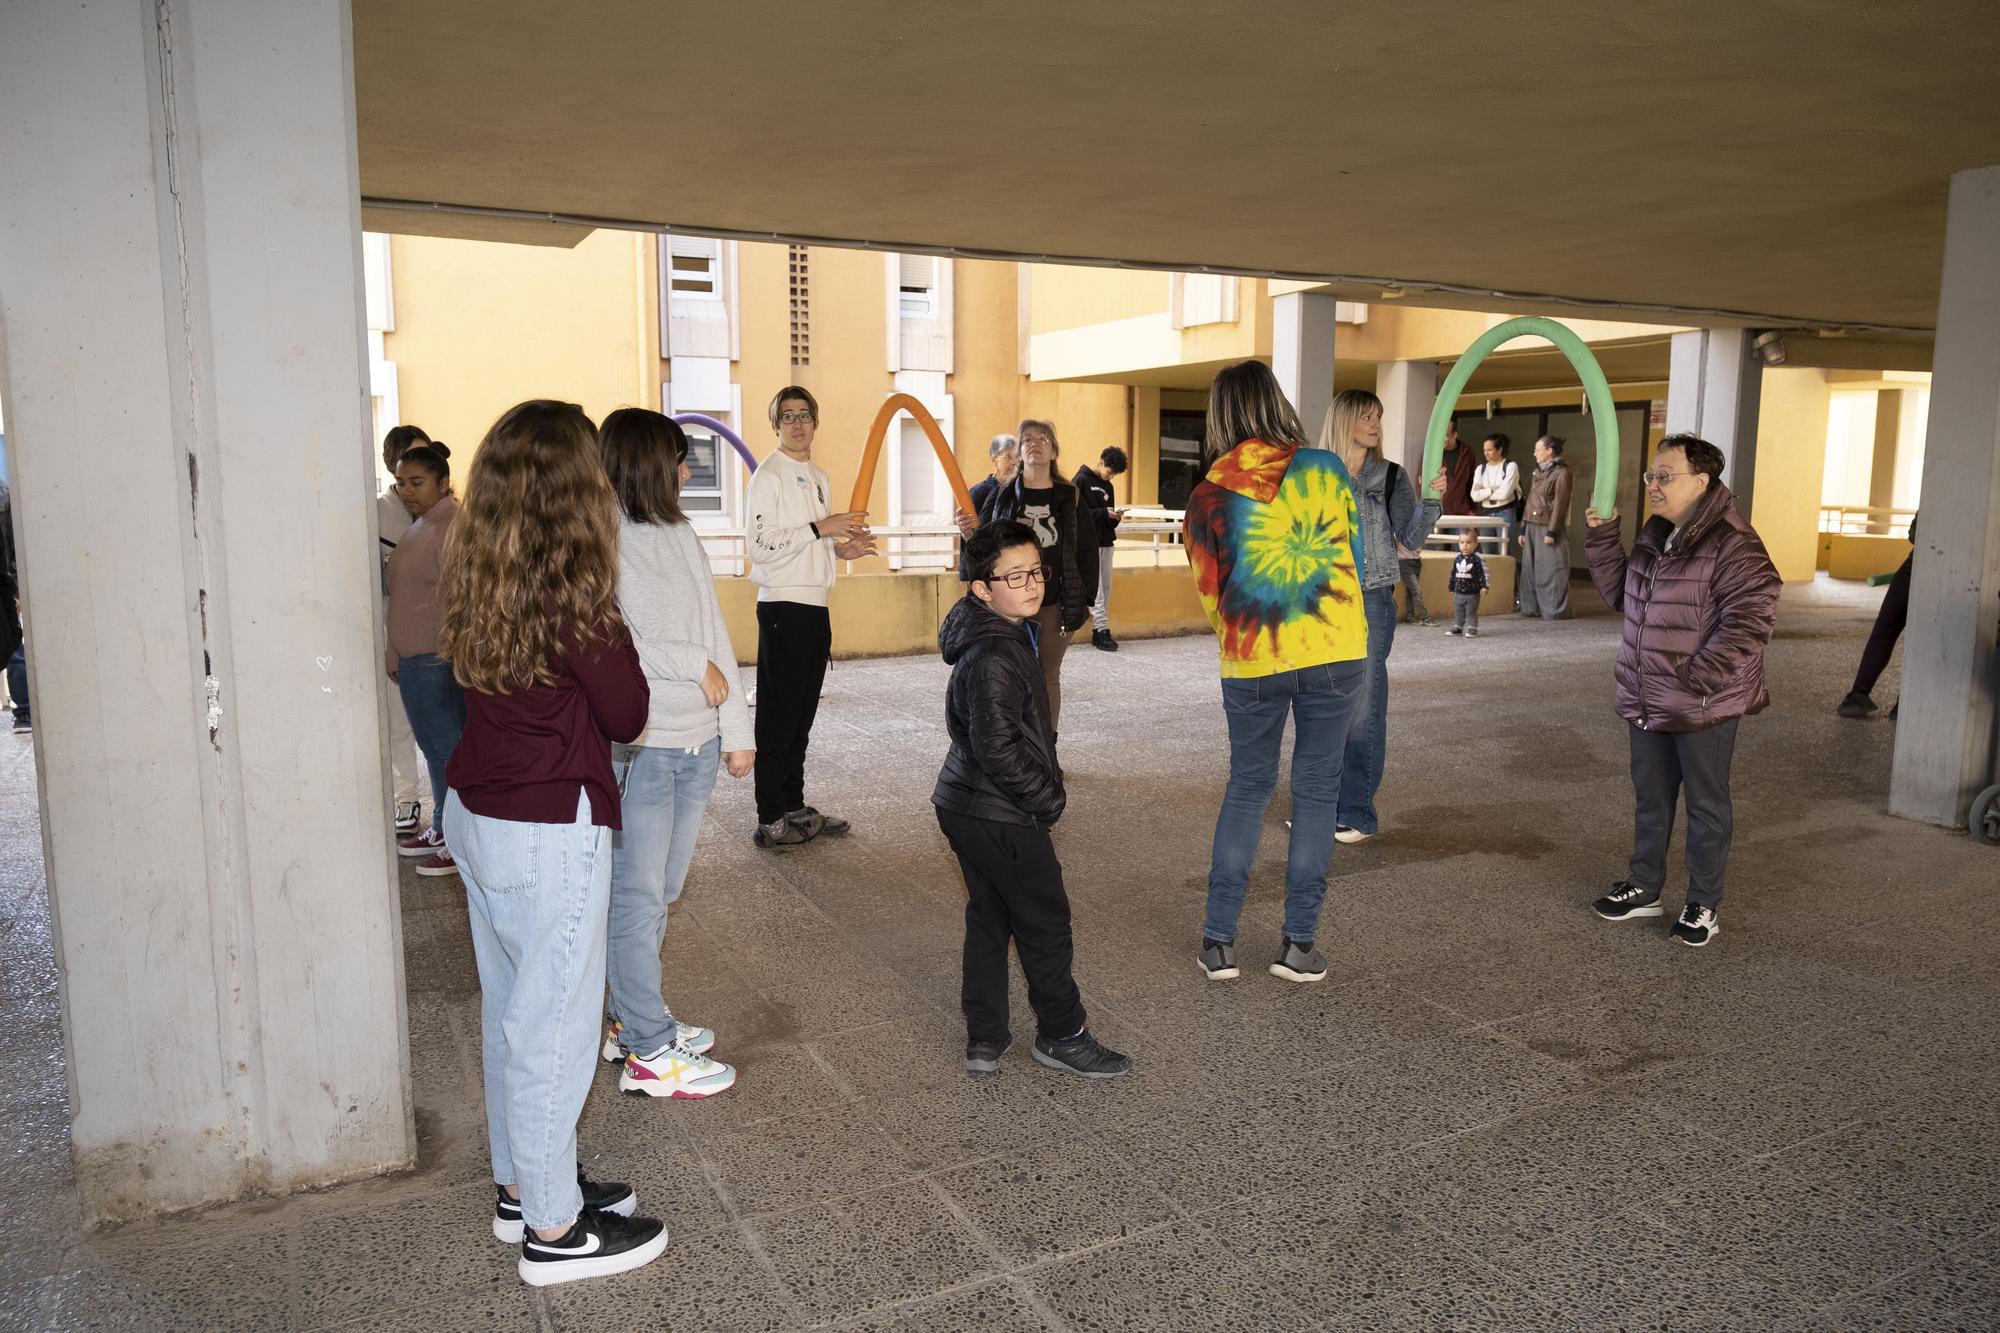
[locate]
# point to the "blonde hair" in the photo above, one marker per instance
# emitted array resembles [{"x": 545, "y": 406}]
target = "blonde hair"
[
  {"x": 1245, "y": 403},
  {"x": 1336, "y": 433},
  {"x": 532, "y": 558}
]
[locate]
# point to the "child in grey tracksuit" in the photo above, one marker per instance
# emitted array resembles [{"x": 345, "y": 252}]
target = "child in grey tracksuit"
[{"x": 1468, "y": 580}]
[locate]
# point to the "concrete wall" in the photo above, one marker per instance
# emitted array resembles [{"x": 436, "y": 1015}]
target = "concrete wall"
[
  {"x": 482, "y": 326},
  {"x": 1791, "y": 462}
]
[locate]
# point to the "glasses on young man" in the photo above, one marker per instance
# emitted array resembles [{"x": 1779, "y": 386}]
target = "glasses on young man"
[
  {"x": 794, "y": 418},
  {"x": 1021, "y": 578}
]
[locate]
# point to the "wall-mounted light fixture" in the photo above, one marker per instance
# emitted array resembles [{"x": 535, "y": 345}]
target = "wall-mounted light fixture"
[{"x": 1770, "y": 345}]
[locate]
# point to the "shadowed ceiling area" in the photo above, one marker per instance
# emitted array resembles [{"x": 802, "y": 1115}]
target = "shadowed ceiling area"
[{"x": 1787, "y": 160}]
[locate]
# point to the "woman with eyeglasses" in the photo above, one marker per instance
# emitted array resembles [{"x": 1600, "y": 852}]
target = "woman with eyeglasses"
[
  {"x": 1699, "y": 595},
  {"x": 1042, "y": 498},
  {"x": 1273, "y": 537}
]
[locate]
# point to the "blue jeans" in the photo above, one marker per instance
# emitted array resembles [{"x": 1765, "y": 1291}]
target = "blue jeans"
[
  {"x": 1320, "y": 700},
  {"x": 538, "y": 895},
  {"x": 435, "y": 705},
  {"x": 666, "y": 792},
  {"x": 17, "y": 681},
  {"x": 1368, "y": 738}
]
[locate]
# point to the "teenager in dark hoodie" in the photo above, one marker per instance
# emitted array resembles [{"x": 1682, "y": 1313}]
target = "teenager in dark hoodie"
[{"x": 999, "y": 793}]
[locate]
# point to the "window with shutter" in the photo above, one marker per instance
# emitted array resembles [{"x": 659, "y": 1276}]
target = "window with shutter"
[
  {"x": 694, "y": 265},
  {"x": 917, "y": 283}
]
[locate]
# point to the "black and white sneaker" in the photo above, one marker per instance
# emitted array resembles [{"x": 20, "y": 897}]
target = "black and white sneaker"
[
  {"x": 1218, "y": 959},
  {"x": 408, "y": 815},
  {"x": 1627, "y": 900},
  {"x": 1299, "y": 962},
  {"x": 604, "y": 1196},
  {"x": 983, "y": 1057},
  {"x": 596, "y": 1245},
  {"x": 1083, "y": 1055},
  {"x": 1696, "y": 927}
]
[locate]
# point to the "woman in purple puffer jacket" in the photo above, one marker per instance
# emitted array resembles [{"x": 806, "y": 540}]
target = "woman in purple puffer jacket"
[{"x": 1699, "y": 595}]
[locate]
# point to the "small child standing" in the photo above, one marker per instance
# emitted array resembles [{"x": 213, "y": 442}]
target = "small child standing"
[
  {"x": 997, "y": 796},
  {"x": 1468, "y": 580}
]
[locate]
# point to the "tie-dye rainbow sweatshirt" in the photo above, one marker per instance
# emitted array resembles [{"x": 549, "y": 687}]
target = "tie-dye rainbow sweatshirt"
[{"x": 1273, "y": 538}]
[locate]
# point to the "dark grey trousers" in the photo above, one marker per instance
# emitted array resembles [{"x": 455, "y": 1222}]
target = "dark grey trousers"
[
  {"x": 1664, "y": 766},
  {"x": 1465, "y": 610}
]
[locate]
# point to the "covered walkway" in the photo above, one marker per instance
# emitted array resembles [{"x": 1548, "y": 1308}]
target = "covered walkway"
[{"x": 1499, "y": 1112}]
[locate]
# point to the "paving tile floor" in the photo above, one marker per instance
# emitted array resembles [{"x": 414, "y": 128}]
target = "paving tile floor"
[{"x": 1499, "y": 1112}]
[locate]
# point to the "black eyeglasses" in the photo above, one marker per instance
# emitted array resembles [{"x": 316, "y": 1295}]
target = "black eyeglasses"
[{"x": 1021, "y": 578}]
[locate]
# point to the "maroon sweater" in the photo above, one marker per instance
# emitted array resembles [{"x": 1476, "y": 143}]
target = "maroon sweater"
[{"x": 525, "y": 756}]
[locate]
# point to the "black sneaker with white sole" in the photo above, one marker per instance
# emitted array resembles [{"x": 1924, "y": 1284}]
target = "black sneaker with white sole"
[
  {"x": 606, "y": 1196},
  {"x": 1696, "y": 927},
  {"x": 1299, "y": 962},
  {"x": 983, "y": 1057},
  {"x": 1082, "y": 1054},
  {"x": 1627, "y": 900},
  {"x": 1218, "y": 959},
  {"x": 596, "y": 1245}
]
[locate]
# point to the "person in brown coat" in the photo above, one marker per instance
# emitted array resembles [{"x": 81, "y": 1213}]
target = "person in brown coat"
[
  {"x": 1698, "y": 594},
  {"x": 1544, "y": 541}
]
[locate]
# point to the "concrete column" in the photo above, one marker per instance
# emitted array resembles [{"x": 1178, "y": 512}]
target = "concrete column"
[
  {"x": 1946, "y": 727},
  {"x": 181, "y": 309},
  {"x": 1408, "y": 390},
  {"x": 1302, "y": 354},
  {"x": 1714, "y": 379},
  {"x": 1882, "y": 466}
]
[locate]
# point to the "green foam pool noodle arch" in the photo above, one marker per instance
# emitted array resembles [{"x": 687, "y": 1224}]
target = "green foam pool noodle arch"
[{"x": 1603, "y": 413}]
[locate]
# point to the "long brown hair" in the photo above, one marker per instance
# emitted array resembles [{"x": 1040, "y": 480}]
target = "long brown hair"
[
  {"x": 1048, "y": 428},
  {"x": 533, "y": 555},
  {"x": 643, "y": 452},
  {"x": 1245, "y": 403}
]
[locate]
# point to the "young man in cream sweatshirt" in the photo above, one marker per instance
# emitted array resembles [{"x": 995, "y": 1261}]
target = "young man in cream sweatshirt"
[{"x": 794, "y": 541}]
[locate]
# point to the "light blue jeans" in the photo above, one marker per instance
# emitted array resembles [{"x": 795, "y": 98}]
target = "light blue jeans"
[
  {"x": 1368, "y": 737},
  {"x": 538, "y": 895},
  {"x": 666, "y": 793},
  {"x": 1320, "y": 700}
]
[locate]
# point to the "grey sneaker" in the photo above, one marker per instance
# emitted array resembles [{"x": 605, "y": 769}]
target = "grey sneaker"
[
  {"x": 781, "y": 835},
  {"x": 1218, "y": 959},
  {"x": 809, "y": 818},
  {"x": 1082, "y": 1054},
  {"x": 1299, "y": 962},
  {"x": 983, "y": 1057}
]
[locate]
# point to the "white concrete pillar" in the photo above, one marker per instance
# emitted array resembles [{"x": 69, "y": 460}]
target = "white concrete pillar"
[
  {"x": 1408, "y": 390},
  {"x": 1945, "y": 727},
  {"x": 1714, "y": 380},
  {"x": 181, "y": 309},
  {"x": 1302, "y": 327}
]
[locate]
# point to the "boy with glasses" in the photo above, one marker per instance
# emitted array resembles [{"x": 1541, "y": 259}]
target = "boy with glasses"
[
  {"x": 999, "y": 793},
  {"x": 794, "y": 541}
]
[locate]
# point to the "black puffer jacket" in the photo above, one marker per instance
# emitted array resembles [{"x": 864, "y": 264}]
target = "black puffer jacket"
[
  {"x": 1073, "y": 570},
  {"x": 1002, "y": 763}
]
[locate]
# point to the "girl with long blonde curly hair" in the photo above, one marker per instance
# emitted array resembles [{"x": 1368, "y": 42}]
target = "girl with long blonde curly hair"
[{"x": 551, "y": 681}]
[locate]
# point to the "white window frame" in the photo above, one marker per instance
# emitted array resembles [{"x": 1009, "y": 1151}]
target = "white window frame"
[{"x": 694, "y": 247}]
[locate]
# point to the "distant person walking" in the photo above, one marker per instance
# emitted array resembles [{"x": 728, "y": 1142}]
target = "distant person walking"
[
  {"x": 1274, "y": 540},
  {"x": 1699, "y": 595},
  {"x": 13, "y": 640},
  {"x": 1391, "y": 517},
  {"x": 1093, "y": 483},
  {"x": 1544, "y": 539},
  {"x": 1459, "y": 465},
  {"x": 1890, "y": 619}
]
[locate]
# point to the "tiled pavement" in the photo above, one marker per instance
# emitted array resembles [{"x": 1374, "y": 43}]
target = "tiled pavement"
[{"x": 1499, "y": 1112}]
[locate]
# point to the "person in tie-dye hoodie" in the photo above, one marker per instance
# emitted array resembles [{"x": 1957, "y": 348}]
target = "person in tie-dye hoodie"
[{"x": 1274, "y": 541}]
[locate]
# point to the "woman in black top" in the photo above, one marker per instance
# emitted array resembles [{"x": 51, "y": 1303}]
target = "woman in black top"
[{"x": 1042, "y": 498}]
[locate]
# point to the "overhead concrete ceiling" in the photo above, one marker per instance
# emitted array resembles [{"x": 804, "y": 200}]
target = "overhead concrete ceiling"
[{"x": 1785, "y": 161}]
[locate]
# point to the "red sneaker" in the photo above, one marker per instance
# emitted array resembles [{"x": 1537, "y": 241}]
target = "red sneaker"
[
  {"x": 441, "y": 864},
  {"x": 421, "y": 844}
]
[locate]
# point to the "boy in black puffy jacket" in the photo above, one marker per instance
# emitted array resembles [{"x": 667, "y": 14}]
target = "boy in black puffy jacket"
[{"x": 999, "y": 793}]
